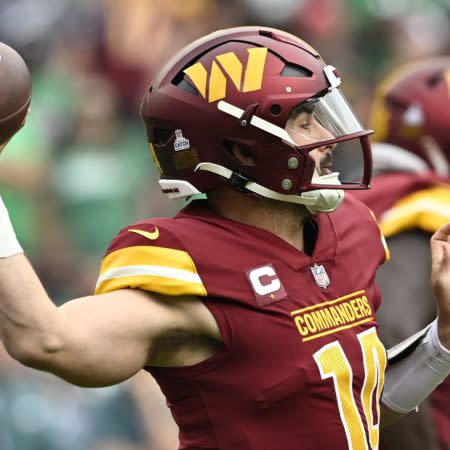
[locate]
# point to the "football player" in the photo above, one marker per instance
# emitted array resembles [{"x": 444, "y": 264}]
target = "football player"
[
  {"x": 253, "y": 309},
  {"x": 411, "y": 197}
]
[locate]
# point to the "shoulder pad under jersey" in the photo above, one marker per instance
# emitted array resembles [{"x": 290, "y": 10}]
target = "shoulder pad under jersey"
[
  {"x": 146, "y": 256},
  {"x": 426, "y": 210},
  {"x": 371, "y": 223}
]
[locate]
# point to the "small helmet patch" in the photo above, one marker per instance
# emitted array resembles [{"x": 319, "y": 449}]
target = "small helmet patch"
[{"x": 181, "y": 143}]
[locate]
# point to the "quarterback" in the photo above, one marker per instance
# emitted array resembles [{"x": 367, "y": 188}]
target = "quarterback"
[
  {"x": 410, "y": 195},
  {"x": 253, "y": 309}
]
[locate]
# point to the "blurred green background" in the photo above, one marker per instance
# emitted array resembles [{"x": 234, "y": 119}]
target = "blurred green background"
[{"x": 80, "y": 169}]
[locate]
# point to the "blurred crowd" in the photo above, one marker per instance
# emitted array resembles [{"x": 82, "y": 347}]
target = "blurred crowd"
[{"x": 80, "y": 169}]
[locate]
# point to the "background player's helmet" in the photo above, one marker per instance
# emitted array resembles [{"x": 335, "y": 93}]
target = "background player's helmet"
[
  {"x": 412, "y": 111},
  {"x": 238, "y": 87}
]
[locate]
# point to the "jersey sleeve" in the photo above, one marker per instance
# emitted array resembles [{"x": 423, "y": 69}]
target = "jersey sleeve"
[
  {"x": 146, "y": 256},
  {"x": 426, "y": 210}
]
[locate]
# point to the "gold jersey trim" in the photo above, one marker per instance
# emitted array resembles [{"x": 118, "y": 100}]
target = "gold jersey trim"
[
  {"x": 327, "y": 303},
  {"x": 332, "y": 316},
  {"x": 158, "y": 269},
  {"x": 427, "y": 210}
]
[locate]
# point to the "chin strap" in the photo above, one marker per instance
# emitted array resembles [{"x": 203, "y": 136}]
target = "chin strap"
[
  {"x": 327, "y": 200},
  {"x": 416, "y": 367},
  {"x": 321, "y": 200}
]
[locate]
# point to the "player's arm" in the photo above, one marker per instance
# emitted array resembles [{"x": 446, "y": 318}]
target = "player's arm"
[
  {"x": 93, "y": 341},
  {"x": 407, "y": 308},
  {"x": 440, "y": 280},
  {"x": 388, "y": 416},
  {"x": 421, "y": 363}
]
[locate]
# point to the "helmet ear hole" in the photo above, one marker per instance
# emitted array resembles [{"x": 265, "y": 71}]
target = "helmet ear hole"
[
  {"x": 275, "y": 109},
  {"x": 239, "y": 153}
]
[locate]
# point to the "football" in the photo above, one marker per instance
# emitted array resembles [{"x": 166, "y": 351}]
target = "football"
[{"x": 15, "y": 92}]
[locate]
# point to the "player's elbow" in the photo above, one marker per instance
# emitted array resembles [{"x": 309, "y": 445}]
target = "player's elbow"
[
  {"x": 67, "y": 356},
  {"x": 39, "y": 352}
]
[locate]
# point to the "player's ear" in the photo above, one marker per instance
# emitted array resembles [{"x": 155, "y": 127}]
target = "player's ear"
[{"x": 242, "y": 156}]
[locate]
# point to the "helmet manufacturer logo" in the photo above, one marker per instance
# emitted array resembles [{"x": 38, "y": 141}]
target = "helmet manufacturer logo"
[
  {"x": 266, "y": 285},
  {"x": 320, "y": 276},
  {"x": 229, "y": 64},
  {"x": 181, "y": 143}
]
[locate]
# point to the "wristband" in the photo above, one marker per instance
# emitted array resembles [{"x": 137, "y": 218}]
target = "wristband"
[
  {"x": 9, "y": 245},
  {"x": 412, "y": 379}
]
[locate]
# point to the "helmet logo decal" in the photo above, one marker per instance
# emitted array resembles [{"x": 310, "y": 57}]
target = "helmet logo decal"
[
  {"x": 229, "y": 64},
  {"x": 181, "y": 143}
]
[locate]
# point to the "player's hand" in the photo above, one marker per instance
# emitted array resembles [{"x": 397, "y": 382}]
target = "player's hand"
[{"x": 440, "y": 279}]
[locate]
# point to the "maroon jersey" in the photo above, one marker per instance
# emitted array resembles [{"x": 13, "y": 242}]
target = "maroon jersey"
[
  {"x": 406, "y": 201},
  {"x": 301, "y": 365},
  {"x": 409, "y": 201}
]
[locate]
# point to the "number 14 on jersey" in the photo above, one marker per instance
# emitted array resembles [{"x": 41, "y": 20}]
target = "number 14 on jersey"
[{"x": 333, "y": 363}]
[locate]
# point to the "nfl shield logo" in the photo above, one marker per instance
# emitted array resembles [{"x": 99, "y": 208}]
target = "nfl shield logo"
[{"x": 320, "y": 275}]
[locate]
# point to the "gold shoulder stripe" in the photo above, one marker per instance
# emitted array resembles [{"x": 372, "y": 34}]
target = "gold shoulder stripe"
[
  {"x": 162, "y": 284},
  {"x": 147, "y": 254},
  {"x": 427, "y": 210},
  {"x": 158, "y": 269}
]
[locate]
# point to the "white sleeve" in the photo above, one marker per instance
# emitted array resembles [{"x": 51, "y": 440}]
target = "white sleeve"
[
  {"x": 9, "y": 244},
  {"x": 410, "y": 379}
]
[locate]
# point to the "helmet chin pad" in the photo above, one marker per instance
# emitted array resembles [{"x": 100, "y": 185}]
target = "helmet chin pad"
[{"x": 327, "y": 200}]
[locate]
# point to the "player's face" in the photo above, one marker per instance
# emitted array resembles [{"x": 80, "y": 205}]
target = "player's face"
[{"x": 305, "y": 129}]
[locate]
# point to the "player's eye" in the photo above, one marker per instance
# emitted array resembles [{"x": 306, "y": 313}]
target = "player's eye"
[{"x": 305, "y": 125}]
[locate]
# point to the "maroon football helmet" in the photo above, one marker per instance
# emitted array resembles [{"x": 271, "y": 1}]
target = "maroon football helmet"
[
  {"x": 238, "y": 87},
  {"x": 412, "y": 111}
]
